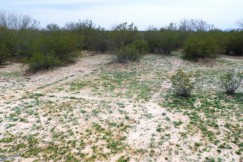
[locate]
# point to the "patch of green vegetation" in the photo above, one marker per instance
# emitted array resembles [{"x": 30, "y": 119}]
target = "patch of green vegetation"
[
  {"x": 9, "y": 74},
  {"x": 177, "y": 123},
  {"x": 32, "y": 152},
  {"x": 35, "y": 95},
  {"x": 7, "y": 140},
  {"x": 123, "y": 84},
  {"x": 205, "y": 116},
  {"x": 78, "y": 85},
  {"x": 20, "y": 146},
  {"x": 123, "y": 159}
]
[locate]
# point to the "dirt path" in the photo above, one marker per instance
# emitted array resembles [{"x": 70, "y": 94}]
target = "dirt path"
[{"x": 18, "y": 85}]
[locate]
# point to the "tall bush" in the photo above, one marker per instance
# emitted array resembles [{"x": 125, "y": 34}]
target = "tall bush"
[
  {"x": 17, "y": 22},
  {"x": 151, "y": 36},
  {"x": 163, "y": 41},
  {"x": 221, "y": 39},
  {"x": 124, "y": 34},
  {"x": 51, "y": 49},
  {"x": 200, "y": 46},
  {"x": 87, "y": 30},
  {"x": 235, "y": 43},
  {"x": 168, "y": 41},
  {"x": 4, "y": 53},
  {"x": 10, "y": 39},
  {"x": 64, "y": 44},
  {"x": 140, "y": 45},
  {"x": 26, "y": 42},
  {"x": 101, "y": 41}
]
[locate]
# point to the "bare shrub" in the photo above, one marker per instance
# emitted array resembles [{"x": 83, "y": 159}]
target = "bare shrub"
[
  {"x": 195, "y": 25},
  {"x": 17, "y": 22},
  {"x": 231, "y": 80}
]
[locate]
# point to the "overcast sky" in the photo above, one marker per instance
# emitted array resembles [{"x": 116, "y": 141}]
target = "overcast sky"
[{"x": 107, "y": 13}]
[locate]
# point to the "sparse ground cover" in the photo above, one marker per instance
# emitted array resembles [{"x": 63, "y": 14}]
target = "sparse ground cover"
[{"x": 99, "y": 110}]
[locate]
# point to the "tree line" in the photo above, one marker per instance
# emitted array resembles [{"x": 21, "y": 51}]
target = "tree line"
[{"x": 22, "y": 38}]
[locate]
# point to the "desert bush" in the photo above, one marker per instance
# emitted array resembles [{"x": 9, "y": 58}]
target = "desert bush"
[
  {"x": 17, "y": 22},
  {"x": 140, "y": 45},
  {"x": 151, "y": 36},
  {"x": 41, "y": 61},
  {"x": 53, "y": 27},
  {"x": 221, "y": 39},
  {"x": 20, "y": 43},
  {"x": 200, "y": 46},
  {"x": 51, "y": 49},
  {"x": 4, "y": 53},
  {"x": 192, "y": 25},
  {"x": 94, "y": 38},
  {"x": 101, "y": 41},
  {"x": 182, "y": 83},
  {"x": 235, "y": 43},
  {"x": 10, "y": 39},
  {"x": 63, "y": 44},
  {"x": 163, "y": 41},
  {"x": 26, "y": 44},
  {"x": 124, "y": 34},
  {"x": 128, "y": 53},
  {"x": 87, "y": 30},
  {"x": 231, "y": 80},
  {"x": 168, "y": 41}
]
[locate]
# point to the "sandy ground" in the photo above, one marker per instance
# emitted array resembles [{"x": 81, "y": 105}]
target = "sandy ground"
[
  {"x": 43, "y": 81},
  {"x": 106, "y": 106}
]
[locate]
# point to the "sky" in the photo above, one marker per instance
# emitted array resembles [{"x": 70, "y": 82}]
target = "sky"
[{"x": 223, "y": 14}]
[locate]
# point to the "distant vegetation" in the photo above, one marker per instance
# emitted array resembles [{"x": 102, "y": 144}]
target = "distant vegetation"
[{"x": 22, "y": 37}]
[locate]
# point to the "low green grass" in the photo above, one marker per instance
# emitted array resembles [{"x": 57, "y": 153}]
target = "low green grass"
[
  {"x": 205, "y": 117},
  {"x": 9, "y": 74}
]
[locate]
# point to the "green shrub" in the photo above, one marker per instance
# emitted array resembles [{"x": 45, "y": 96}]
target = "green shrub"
[
  {"x": 87, "y": 29},
  {"x": 235, "y": 43},
  {"x": 182, "y": 83},
  {"x": 124, "y": 34},
  {"x": 63, "y": 44},
  {"x": 231, "y": 80},
  {"x": 100, "y": 42},
  {"x": 168, "y": 41},
  {"x": 140, "y": 45},
  {"x": 53, "y": 27},
  {"x": 221, "y": 39},
  {"x": 51, "y": 48},
  {"x": 200, "y": 46},
  {"x": 162, "y": 41},
  {"x": 4, "y": 53},
  {"x": 151, "y": 37},
  {"x": 10, "y": 39},
  {"x": 40, "y": 61},
  {"x": 26, "y": 44},
  {"x": 128, "y": 53}
]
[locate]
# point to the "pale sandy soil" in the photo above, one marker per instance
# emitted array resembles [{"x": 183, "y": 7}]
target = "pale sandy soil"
[
  {"x": 42, "y": 81},
  {"x": 96, "y": 110}
]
